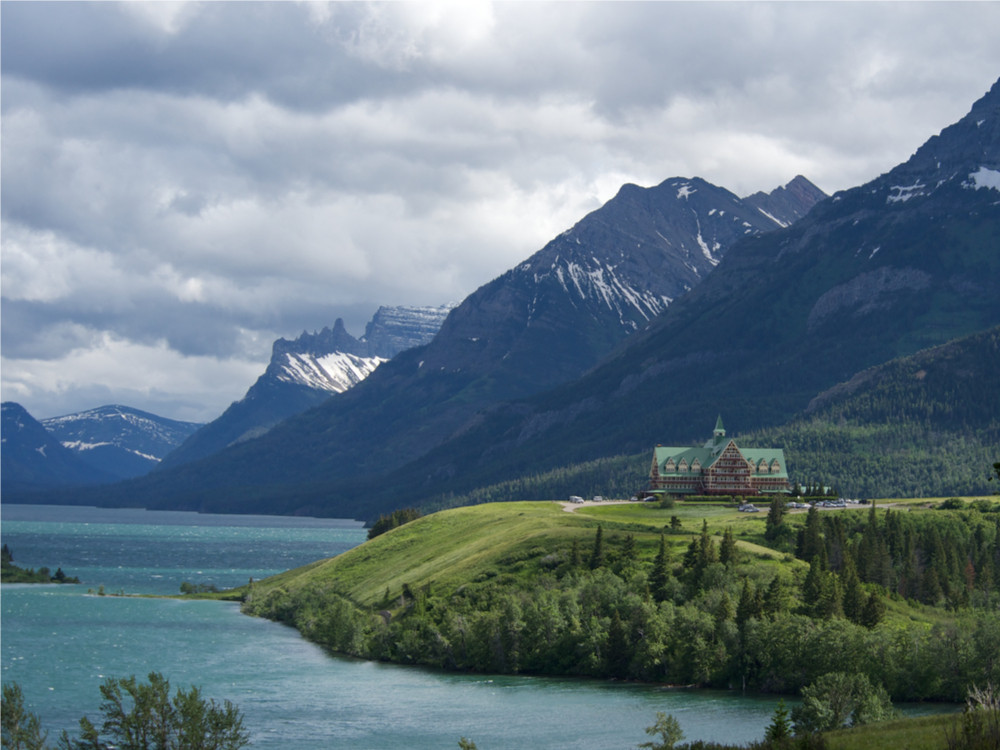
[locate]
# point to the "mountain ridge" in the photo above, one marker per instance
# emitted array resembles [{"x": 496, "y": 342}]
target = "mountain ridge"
[
  {"x": 860, "y": 280},
  {"x": 33, "y": 459},
  {"x": 120, "y": 440},
  {"x": 305, "y": 371}
]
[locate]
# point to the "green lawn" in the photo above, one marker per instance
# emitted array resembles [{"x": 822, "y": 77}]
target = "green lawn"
[{"x": 920, "y": 733}]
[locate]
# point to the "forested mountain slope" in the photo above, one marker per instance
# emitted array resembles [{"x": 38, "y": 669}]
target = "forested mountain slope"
[
  {"x": 907, "y": 261},
  {"x": 926, "y": 425}
]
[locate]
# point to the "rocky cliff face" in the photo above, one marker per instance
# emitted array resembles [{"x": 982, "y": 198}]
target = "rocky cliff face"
[
  {"x": 305, "y": 371},
  {"x": 787, "y": 204},
  {"x": 396, "y": 329},
  {"x": 553, "y": 316}
]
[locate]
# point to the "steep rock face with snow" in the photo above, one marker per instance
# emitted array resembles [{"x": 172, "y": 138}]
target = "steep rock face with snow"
[
  {"x": 328, "y": 361},
  {"x": 119, "y": 440},
  {"x": 557, "y": 313},
  {"x": 787, "y": 204},
  {"x": 395, "y": 329},
  {"x": 31, "y": 458},
  {"x": 306, "y": 371}
]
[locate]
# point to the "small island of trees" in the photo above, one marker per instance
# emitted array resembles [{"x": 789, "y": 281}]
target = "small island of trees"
[{"x": 11, "y": 573}]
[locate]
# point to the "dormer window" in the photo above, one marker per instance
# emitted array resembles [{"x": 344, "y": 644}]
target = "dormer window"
[
  {"x": 670, "y": 465},
  {"x": 683, "y": 465}
]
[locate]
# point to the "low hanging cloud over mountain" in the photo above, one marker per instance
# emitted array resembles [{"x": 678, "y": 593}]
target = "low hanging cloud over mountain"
[{"x": 184, "y": 183}]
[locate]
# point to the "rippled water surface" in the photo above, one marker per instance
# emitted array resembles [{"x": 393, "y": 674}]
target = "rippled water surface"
[{"x": 59, "y": 643}]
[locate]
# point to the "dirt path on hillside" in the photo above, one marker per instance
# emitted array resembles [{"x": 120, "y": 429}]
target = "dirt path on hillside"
[{"x": 571, "y": 507}]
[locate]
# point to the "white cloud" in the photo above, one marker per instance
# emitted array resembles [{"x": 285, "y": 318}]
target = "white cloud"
[
  {"x": 184, "y": 182},
  {"x": 112, "y": 370}
]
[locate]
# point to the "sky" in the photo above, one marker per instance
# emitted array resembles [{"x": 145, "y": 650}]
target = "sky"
[{"x": 181, "y": 184}]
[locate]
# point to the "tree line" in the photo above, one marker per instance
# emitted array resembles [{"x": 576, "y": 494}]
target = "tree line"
[{"x": 702, "y": 611}]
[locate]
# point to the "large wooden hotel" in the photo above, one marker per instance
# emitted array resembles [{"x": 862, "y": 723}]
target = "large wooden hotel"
[{"x": 720, "y": 467}]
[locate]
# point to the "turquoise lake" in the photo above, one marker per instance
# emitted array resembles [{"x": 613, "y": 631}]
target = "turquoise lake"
[{"x": 60, "y": 642}]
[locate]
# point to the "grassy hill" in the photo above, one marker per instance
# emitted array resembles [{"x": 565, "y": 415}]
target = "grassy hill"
[
  {"x": 695, "y": 594},
  {"x": 449, "y": 549}
]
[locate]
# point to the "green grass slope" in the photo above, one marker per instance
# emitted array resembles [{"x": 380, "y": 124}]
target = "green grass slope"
[{"x": 528, "y": 587}]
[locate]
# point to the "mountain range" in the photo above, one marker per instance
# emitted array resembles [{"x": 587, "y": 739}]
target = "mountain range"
[
  {"x": 639, "y": 326},
  {"x": 542, "y": 323},
  {"x": 306, "y": 371},
  {"x": 618, "y": 268},
  {"x": 32, "y": 458},
  {"x": 119, "y": 440},
  {"x": 110, "y": 443},
  {"x": 907, "y": 261}
]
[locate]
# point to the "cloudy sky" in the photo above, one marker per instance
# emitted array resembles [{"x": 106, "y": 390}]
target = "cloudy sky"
[{"x": 184, "y": 183}]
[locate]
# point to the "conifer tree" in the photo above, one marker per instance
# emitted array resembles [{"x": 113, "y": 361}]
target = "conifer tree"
[
  {"x": 661, "y": 572},
  {"x": 706, "y": 547},
  {"x": 854, "y": 599},
  {"x": 780, "y": 728},
  {"x": 774, "y": 598},
  {"x": 597, "y": 554},
  {"x": 812, "y": 586},
  {"x": 751, "y": 604},
  {"x": 727, "y": 550},
  {"x": 775, "y": 519},
  {"x": 873, "y": 611},
  {"x": 810, "y": 541}
]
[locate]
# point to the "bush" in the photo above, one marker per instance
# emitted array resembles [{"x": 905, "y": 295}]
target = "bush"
[
  {"x": 396, "y": 518},
  {"x": 952, "y": 503},
  {"x": 839, "y": 699},
  {"x": 21, "y": 729},
  {"x": 980, "y": 726},
  {"x": 140, "y": 715}
]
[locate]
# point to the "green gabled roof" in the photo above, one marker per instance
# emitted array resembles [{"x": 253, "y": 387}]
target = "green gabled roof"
[
  {"x": 663, "y": 453},
  {"x": 707, "y": 456},
  {"x": 709, "y": 453},
  {"x": 769, "y": 455}
]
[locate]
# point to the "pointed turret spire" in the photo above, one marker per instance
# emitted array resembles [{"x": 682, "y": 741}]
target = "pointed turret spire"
[{"x": 719, "y": 431}]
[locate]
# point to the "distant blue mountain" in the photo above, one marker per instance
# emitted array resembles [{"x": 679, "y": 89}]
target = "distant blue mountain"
[
  {"x": 119, "y": 440},
  {"x": 33, "y": 459}
]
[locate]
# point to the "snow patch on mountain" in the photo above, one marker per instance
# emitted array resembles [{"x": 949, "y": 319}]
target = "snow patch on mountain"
[
  {"x": 773, "y": 218},
  {"x": 904, "y": 193},
  {"x": 603, "y": 283},
  {"x": 984, "y": 177},
  {"x": 334, "y": 372}
]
